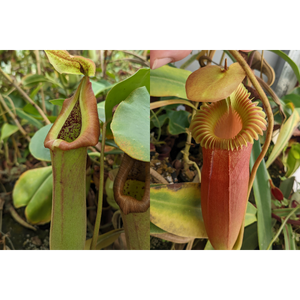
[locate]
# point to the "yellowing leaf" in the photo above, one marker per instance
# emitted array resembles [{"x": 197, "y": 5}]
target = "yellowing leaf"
[
  {"x": 286, "y": 132},
  {"x": 176, "y": 209},
  {"x": 63, "y": 62}
]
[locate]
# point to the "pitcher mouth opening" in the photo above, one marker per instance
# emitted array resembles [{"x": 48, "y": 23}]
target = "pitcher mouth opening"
[
  {"x": 71, "y": 129},
  {"x": 77, "y": 124},
  {"x": 229, "y": 124}
]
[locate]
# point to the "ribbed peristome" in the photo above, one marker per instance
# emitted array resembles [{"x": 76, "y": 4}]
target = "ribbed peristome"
[{"x": 230, "y": 123}]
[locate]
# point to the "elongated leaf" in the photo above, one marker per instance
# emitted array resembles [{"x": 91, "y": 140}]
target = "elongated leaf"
[
  {"x": 189, "y": 61},
  {"x": 289, "y": 239},
  {"x": 293, "y": 160},
  {"x": 18, "y": 103},
  {"x": 101, "y": 111},
  {"x": 157, "y": 104},
  {"x": 104, "y": 240},
  {"x": 34, "y": 190},
  {"x": 30, "y": 109},
  {"x": 58, "y": 102},
  {"x": 262, "y": 196},
  {"x": 134, "y": 112},
  {"x": 31, "y": 120},
  {"x": 286, "y": 132},
  {"x": 286, "y": 186},
  {"x": 283, "y": 212},
  {"x": 30, "y": 80},
  {"x": 168, "y": 81},
  {"x": 289, "y": 61},
  {"x": 7, "y": 130},
  {"x": 250, "y": 240},
  {"x": 250, "y": 214}
]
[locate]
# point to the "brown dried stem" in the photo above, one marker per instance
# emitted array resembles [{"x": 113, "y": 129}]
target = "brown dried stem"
[
  {"x": 26, "y": 97},
  {"x": 14, "y": 118}
]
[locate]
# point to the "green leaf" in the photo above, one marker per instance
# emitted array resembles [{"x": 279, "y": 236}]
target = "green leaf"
[
  {"x": 282, "y": 212},
  {"x": 286, "y": 186},
  {"x": 31, "y": 80},
  {"x": 23, "y": 115},
  {"x": 294, "y": 98},
  {"x": 121, "y": 90},
  {"x": 155, "y": 229},
  {"x": 293, "y": 160},
  {"x": 189, "y": 61},
  {"x": 34, "y": 92},
  {"x": 176, "y": 209},
  {"x": 104, "y": 240},
  {"x": 36, "y": 145},
  {"x": 286, "y": 132},
  {"x": 262, "y": 196},
  {"x": 58, "y": 102},
  {"x": 133, "y": 138},
  {"x": 34, "y": 190},
  {"x": 101, "y": 111},
  {"x": 250, "y": 239},
  {"x": 289, "y": 239},
  {"x": 99, "y": 87},
  {"x": 35, "y": 79},
  {"x": 109, "y": 186},
  {"x": 7, "y": 130},
  {"x": 250, "y": 214},
  {"x": 289, "y": 61},
  {"x": 30, "y": 119},
  {"x": 178, "y": 121},
  {"x": 30, "y": 109},
  {"x": 168, "y": 81}
]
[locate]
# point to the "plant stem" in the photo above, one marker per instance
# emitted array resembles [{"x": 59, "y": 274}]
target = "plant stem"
[
  {"x": 158, "y": 124},
  {"x": 261, "y": 63},
  {"x": 14, "y": 118},
  {"x": 158, "y": 104},
  {"x": 158, "y": 176},
  {"x": 186, "y": 151},
  {"x": 222, "y": 58},
  {"x": 38, "y": 63},
  {"x": 268, "y": 110},
  {"x": 100, "y": 195},
  {"x": 282, "y": 225},
  {"x": 26, "y": 97},
  {"x": 236, "y": 56}
]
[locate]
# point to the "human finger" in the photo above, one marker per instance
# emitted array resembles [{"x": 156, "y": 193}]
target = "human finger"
[{"x": 159, "y": 58}]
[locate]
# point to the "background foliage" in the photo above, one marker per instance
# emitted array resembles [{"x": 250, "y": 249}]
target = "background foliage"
[{"x": 31, "y": 95}]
